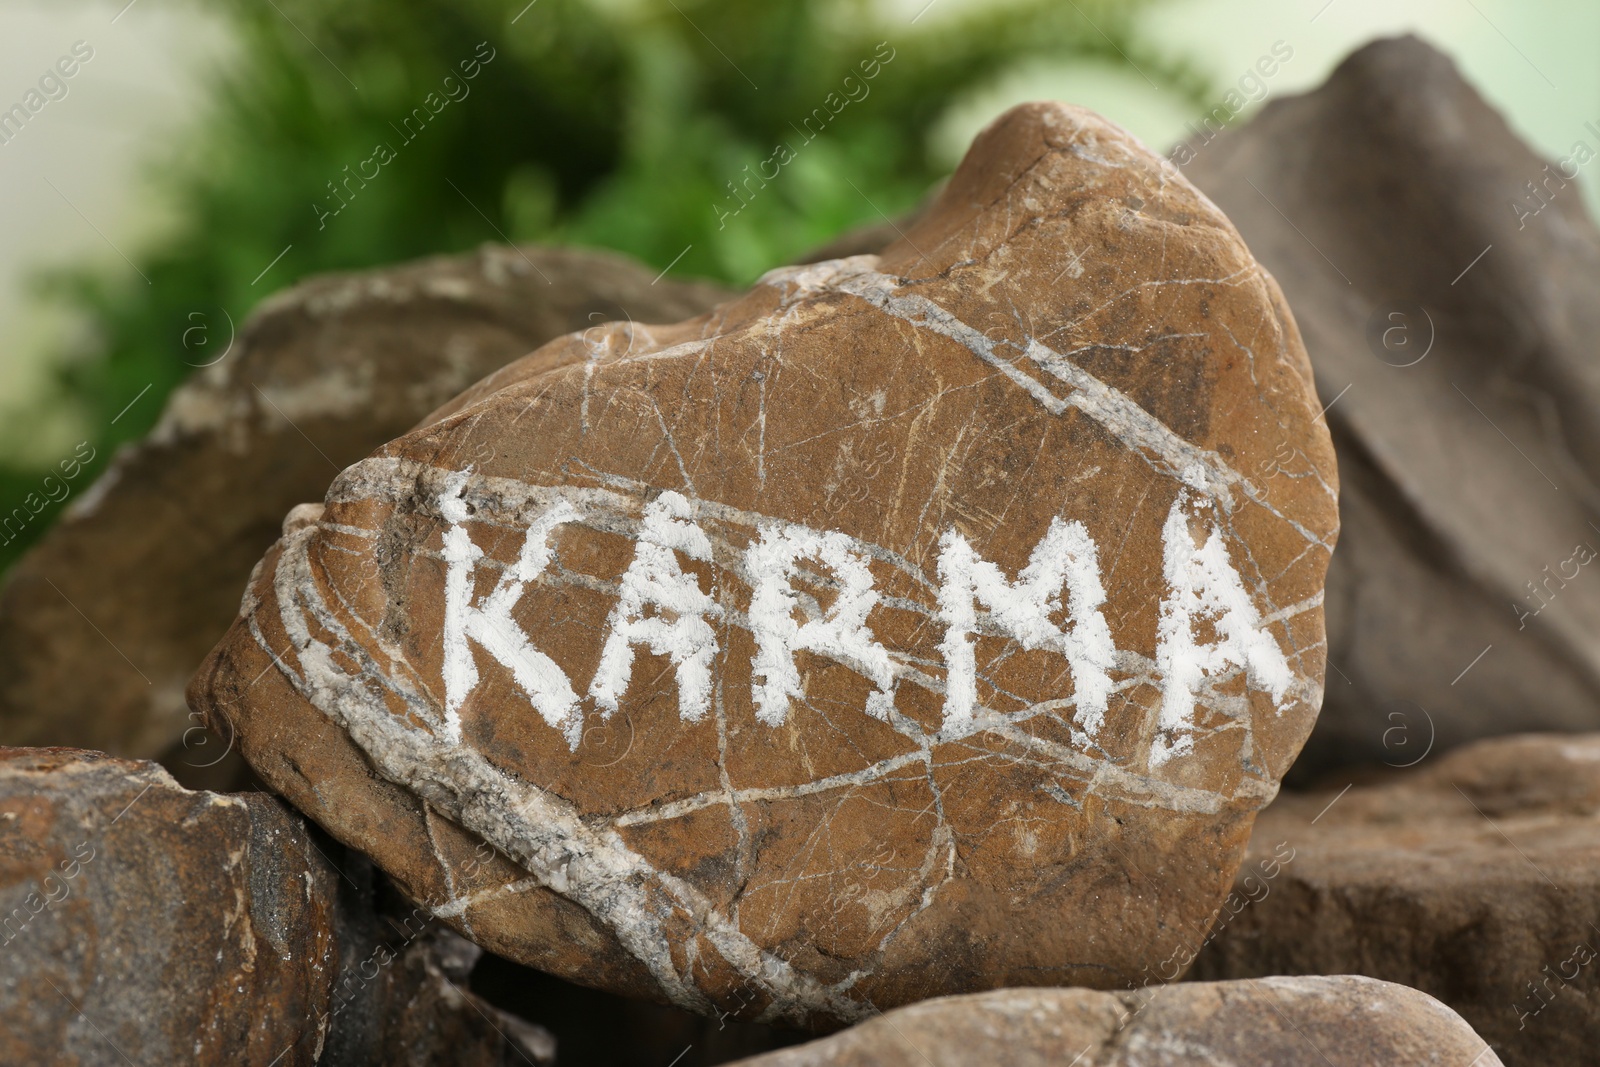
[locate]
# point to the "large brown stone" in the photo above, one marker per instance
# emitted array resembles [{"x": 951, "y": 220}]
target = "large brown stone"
[
  {"x": 103, "y": 623},
  {"x": 1445, "y": 279},
  {"x": 145, "y": 923},
  {"x": 827, "y": 651},
  {"x": 1475, "y": 878},
  {"x": 1341, "y": 1021}
]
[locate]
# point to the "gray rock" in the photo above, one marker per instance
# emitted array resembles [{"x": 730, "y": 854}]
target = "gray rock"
[{"x": 1394, "y": 206}]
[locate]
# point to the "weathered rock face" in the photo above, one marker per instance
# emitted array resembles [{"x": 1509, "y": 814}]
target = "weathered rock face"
[
  {"x": 143, "y": 921},
  {"x": 155, "y": 554},
  {"x": 1475, "y": 878},
  {"x": 1467, "y": 396},
  {"x": 825, "y": 651},
  {"x": 1269, "y": 1023}
]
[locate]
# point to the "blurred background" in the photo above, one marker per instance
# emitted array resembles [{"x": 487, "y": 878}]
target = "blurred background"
[{"x": 197, "y": 159}]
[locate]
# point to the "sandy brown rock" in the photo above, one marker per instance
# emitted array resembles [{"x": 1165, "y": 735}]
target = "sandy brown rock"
[
  {"x": 827, "y": 650},
  {"x": 1475, "y": 878},
  {"x": 1467, "y": 413},
  {"x": 141, "y": 920},
  {"x": 1341, "y": 1021},
  {"x": 154, "y": 555}
]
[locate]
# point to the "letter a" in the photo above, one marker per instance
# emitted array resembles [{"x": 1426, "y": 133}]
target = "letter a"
[
  {"x": 1203, "y": 586},
  {"x": 840, "y": 634},
  {"x": 678, "y": 628},
  {"x": 492, "y": 626},
  {"x": 1065, "y": 556}
]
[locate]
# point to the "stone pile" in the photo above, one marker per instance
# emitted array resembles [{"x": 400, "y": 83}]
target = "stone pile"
[
  {"x": 1444, "y": 277},
  {"x": 904, "y": 648}
]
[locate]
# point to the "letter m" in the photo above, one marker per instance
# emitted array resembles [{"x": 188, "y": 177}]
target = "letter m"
[
  {"x": 1024, "y": 610},
  {"x": 490, "y": 625}
]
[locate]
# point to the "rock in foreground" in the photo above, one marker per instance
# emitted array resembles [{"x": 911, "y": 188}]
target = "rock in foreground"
[
  {"x": 155, "y": 554},
  {"x": 1445, "y": 279},
  {"x": 821, "y": 653},
  {"x": 1275, "y": 1022},
  {"x": 145, "y": 923},
  {"x": 1475, "y": 878}
]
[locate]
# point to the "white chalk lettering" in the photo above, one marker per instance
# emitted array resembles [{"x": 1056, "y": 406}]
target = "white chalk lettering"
[
  {"x": 655, "y": 581},
  {"x": 1064, "y": 557},
  {"x": 1203, "y": 586},
  {"x": 813, "y": 591},
  {"x": 491, "y": 624},
  {"x": 841, "y": 634}
]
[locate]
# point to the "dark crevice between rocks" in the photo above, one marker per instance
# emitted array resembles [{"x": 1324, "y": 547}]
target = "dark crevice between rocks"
[{"x": 596, "y": 1029}]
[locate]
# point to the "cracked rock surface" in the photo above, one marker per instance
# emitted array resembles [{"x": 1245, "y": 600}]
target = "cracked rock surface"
[
  {"x": 1340, "y": 1021},
  {"x": 1475, "y": 878},
  {"x": 1444, "y": 277},
  {"x": 141, "y": 922},
  {"x": 154, "y": 554},
  {"x": 828, "y": 651}
]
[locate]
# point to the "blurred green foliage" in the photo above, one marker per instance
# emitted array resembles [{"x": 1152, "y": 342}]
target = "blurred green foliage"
[{"x": 617, "y": 123}]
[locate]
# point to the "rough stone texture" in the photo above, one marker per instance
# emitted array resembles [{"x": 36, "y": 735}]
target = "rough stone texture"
[
  {"x": 144, "y": 921},
  {"x": 1341, "y": 1021},
  {"x": 1067, "y": 369},
  {"x": 1475, "y": 878},
  {"x": 155, "y": 553},
  {"x": 1468, "y": 506}
]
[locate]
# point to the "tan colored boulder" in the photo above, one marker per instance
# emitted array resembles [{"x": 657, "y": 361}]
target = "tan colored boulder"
[
  {"x": 911, "y": 625},
  {"x": 1475, "y": 878},
  {"x": 1445, "y": 279},
  {"x": 143, "y": 923},
  {"x": 1341, "y": 1021},
  {"x": 102, "y": 623}
]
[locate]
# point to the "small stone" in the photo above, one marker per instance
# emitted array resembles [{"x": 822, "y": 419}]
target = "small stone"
[
  {"x": 154, "y": 554},
  {"x": 1475, "y": 878},
  {"x": 1444, "y": 277},
  {"x": 1272, "y": 1022},
  {"x": 141, "y": 922},
  {"x": 822, "y": 653}
]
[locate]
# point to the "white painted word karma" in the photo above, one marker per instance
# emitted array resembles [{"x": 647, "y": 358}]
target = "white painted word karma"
[{"x": 662, "y": 608}]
